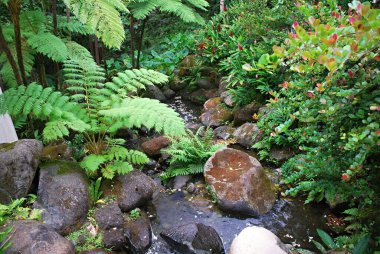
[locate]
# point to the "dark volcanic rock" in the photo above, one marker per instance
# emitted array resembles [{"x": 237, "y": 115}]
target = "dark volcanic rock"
[
  {"x": 138, "y": 234},
  {"x": 111, "y": 224},
  {"x": 216, "y": 114},
  {"x": 245, "y": 113},
  {"x": 247, "y": 134},
  {"x": 239, "y": 182},
  {"x": 33, "y": 237},
  {"x": 63, "y": 195},
  {"x": 224, "y": 132},
  {"x": 194, "y": 238},
  {"x": 154, "y": 92},
  {"x": 18, "y": 165},
  {"x": 136, "y": 190}
]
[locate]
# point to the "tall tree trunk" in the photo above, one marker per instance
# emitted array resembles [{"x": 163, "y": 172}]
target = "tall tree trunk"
[
  {"x": 41, "y": 70},
  {"x": 132, "y": 31},
  {"x": 10, "y": 57},
  {"x": 222, "y": 6},
  {"x": 14, "y": 7},
  {"x": 140, "y": 43},
  {"x": 90, "y": 45},
  {"x": 7, "y": 130},
  {"x": 55, "y": 31},
  {"x": 96, "y": 46},
  {"x": 68, "y": 15}
]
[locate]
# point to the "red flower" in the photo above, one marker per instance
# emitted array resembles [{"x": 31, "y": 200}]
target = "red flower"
[
  {"x": 334, "y": 38},
  {"x": 310, "y": 94},
  {"x": 231, "y": 34},
  {"x": 350, "y": 74},
  {"x": 346, "y": 177},
  {"x": 294, "y": 36},
  {"x": 240, "y": 48},
  {"x": 225, "y": 8},
  {"x": 351, "y": 20},
  {"x": 213, "y": 50},
  {"x": 219, "y": 28},
  {"x": 333, "y": 14},
  {"x": 295, "y": 24},
  {"x": 285, "y": 85},
  {"x": 378, "y": 132},
  {"x": 202, "y": 46}
]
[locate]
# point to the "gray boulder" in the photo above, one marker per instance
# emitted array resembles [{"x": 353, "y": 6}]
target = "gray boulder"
[
  {"x": 34, "y": 237},
  {"x": 136, "y": 190},
  {"x": 138, "y": 233},
  {"x": 247, "y": 134},
  {"x": 194, "y": 238},
  {"x": 111, "y": 224},
  {"x": 239, "y": 182},
  {"x": 224, "y": 132},
  {"x": 227, "y": 99},
  {"x": 63, "y": 196},
  {"x": 154, "y": 92},
  {"x": 18, "y": 166}
]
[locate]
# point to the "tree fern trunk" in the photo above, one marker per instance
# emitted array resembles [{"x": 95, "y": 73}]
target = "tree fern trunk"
[
  {"x": 96, "y": 46},
  {"x": 90, "y": 45},
  {"x": 132, "y": 31},
  {"x": 41, "y": 70},
  {"x": 140, "y": 43},
  {"x": 15, "y": 6},
  {"x": 10, "y": 57},
  {"x": 7, "y": 130}
]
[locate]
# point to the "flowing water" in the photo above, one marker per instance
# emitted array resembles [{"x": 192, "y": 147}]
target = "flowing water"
[{"x": 290, "y": 219}]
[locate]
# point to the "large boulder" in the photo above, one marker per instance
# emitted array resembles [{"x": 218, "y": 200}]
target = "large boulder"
[
  {"x": 257, "y": 240},
  {"x": 138, "y": 233},
  {"x": 33, "y": 237},
  {"x": 111, "y": 224},
  {"x": 57, "y": 152},
  {"x": 194, "y": 238},
  {"x": 153, "y": 147},
  {"x": 63, "y": 196},
  {"x": 224, "y": 132},
  {"x": 18, "y": 166},
  {"x": 239, "y": 182},
  {"x": 154, "y": 92},
  {"x": 216, "y": 113},
  {"x": 247, "y": 134},
  {"x": 136, "y": 190}
]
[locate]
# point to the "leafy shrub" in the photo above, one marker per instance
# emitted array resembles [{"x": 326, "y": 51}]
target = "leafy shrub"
[
  {"x": 328, "y": 106},
  {"x": 15, "y": 210},
  {"x": 4, "y": 240},
  {"x": 189, "y": 153}
]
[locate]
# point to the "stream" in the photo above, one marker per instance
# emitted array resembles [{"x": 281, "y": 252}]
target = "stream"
[{"x": 290, "y": 219}]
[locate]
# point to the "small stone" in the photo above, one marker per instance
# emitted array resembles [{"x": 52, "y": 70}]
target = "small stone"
[
  {"x": 248, "y": 134},
  {"x": 153, "y": 147}
]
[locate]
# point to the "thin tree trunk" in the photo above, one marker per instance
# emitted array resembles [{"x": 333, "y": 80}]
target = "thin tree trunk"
[
  {"x": 90, "y": 45},
  {"x": 140, "y": 43},
  {"x": 132, "y": 31},
  {"x": 41, "y": 70},
  {"x": 15, "y": 6},
  {"x": 55, "y": 31},
  {"x": 7, "y": 130},
  {"x": 10, "y": 57},
  {"x": 68, "y": 15},
  {"x": 222, "y": 6},
  {"x": 96, "y": 46}
]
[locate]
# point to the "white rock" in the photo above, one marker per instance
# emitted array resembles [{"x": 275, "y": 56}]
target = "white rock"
[{"x": 257, "y": 240}]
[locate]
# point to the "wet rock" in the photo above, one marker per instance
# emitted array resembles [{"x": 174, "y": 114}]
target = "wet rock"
[
  {"x": 18, "y": 166},
  {"x": 180, "y": 181},
  {"x": 191, "y": 188},
  {"x": 57, "y": 152},
  {"x": 245, "y": 113},
  {"x": 152, "y": 165},
  {"x": 239, "y": 182},
  {"x": 33, "y": 237},
  {"x": 136, "y": 190},
  {"x": 193, "y": 127},
  {"x": 281, "y": 154},
  {"x": 224, "y": 132},
  {"x": 138, "y": 233},
  {"x": 216, "y": 114},
  {"x": 198, "y": 97},
  {"x": 153, "y": 147},
  {"x": 248, "y": 134},
  {"x": 154, "y": 92},
  {"x": 177, "y": 84},
  {"x": 227, "y": 99},
  {"x": 223, "y": 85},
  {"x": 194, "y": 238},
  {"x": 212, "y": 93},
  {"x": 110, "y": 221},
  {"x": 63, "y": 196},
  {"x": 205, "y": 83},
  {"x": 257, "y": 240},
  {"x": 169, "y": 93}
]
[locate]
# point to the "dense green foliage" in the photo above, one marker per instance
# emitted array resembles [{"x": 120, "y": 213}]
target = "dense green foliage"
[{"x": 189, "y": 153}]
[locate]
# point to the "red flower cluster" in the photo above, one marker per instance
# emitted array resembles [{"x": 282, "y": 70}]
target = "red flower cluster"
[
  {"x": 335, "y": 14},
  {"x": 346, "y": 177},
  {"x": 240, "y": 48},
  {"x": 202, "y": 46}
]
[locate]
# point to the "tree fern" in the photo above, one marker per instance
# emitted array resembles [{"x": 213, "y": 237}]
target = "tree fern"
[
  {"x": 102, "y": 17},
  {"x": 189, "y": 153},
  {"x": 45, "y": 104},
  {"x": 74, "y": 26},
  {"x": 54, "y": 49},
  {"x": 138, "y": 112}
]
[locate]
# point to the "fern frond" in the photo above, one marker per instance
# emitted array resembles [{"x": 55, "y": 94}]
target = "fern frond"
[
  {"x": 80, "y": 55},
  {"x": 49, "y": 45},
  {"x": 92, "y": 162},
  {"x": 102, "y": 17},
  {"x": 74, "y": 26},
  {"x": 137, "y": 112},
  {"x": 33, "y": 22}
]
